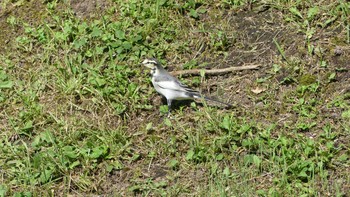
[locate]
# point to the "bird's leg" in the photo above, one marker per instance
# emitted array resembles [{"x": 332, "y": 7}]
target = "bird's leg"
[{"x": 169, "y": 106}]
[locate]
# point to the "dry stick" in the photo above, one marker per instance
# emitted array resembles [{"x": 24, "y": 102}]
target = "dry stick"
[{"x": 214, "y": 71}]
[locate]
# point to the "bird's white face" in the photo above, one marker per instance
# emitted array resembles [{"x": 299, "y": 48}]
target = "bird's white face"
[{"x": 150, "y": 63}]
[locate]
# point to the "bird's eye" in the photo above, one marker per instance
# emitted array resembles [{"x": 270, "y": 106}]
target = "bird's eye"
[{"x": 150, "y": 62}]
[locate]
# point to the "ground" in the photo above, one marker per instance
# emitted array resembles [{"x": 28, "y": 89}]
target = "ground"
[{"x": 81, "y": 118}]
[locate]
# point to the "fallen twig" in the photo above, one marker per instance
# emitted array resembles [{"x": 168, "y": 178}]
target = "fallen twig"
[{"x": 215, "y": 71}]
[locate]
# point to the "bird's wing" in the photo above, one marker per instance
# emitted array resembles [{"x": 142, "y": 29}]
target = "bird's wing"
[{"x": 169, "y": 82}]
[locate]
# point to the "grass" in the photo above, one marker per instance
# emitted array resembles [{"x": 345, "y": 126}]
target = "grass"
[{"x": 79, "y": 116}]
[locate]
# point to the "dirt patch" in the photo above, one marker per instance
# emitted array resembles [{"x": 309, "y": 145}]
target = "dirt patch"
[
  {"x": 31, "y": 12},
  {"x": 88, "y": 9}
]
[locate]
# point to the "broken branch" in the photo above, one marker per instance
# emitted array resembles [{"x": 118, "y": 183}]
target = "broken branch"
[{"x": 215, "y": 71}]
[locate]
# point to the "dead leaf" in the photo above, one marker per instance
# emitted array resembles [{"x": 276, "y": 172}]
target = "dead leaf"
[{"x": 258, "y": 90}]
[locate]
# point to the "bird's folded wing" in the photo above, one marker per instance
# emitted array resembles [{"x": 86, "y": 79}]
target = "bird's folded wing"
[{"x": 175, "y": 85}]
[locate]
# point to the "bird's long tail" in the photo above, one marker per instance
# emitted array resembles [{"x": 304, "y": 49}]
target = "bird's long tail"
[{"x": 198, "y": 96}]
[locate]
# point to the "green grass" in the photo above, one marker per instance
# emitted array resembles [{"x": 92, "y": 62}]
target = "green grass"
[{"x": 79, "y": 115}]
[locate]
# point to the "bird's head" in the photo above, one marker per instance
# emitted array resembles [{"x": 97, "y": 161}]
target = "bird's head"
[{"x": 151, "y": 63}]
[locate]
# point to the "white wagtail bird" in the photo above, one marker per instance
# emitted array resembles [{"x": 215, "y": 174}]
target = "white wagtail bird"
[{"x": 170, "y": 87}]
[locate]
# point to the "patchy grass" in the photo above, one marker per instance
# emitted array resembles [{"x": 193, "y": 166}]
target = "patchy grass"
[{"x": 79, "y": 116}]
